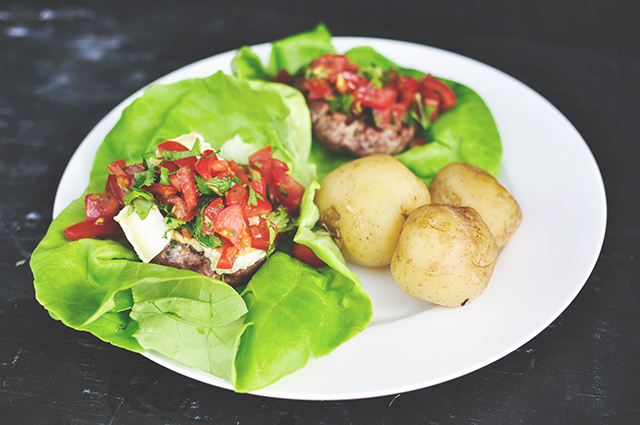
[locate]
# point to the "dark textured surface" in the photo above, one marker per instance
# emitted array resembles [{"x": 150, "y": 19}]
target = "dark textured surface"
[{"x": 64, "y": 65}]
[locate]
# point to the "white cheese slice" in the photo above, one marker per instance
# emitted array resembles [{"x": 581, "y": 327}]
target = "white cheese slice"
[{"x": 146, "y": 236}]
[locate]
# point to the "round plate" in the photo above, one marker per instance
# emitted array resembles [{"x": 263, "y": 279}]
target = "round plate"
[{"x": 411, "y": 344}]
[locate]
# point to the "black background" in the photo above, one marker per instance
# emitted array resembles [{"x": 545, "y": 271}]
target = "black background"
[{"x": 64, "y": 65}]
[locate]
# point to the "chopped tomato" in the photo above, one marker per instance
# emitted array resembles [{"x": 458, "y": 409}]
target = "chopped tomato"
[
  {"x": 209, "y": 216},
  {"x": 318, "y": 88},
  {"x": 375, "y": 98},
  {"x": 348, "y": 81},
  {"x": 431, "y": 100},
  {"x": 288, "y": 190},
  {"x": 179, "y": 208},
  {"x": 104, "y": 228},
  {"x": 283, "y": 77},
  {"x": 239, "y": 172},
  {"x": 116, "y": 167},
  {"x": 260, "y": 234},
  {"x": 330, "y": 63},
  {"x": 447, "y": 95},
  {"x": 228, "y": 257},
  {"x": 163, "y": 190},
  {"x": 171, "y": 145},
  {"x": 261, "y": 162},
  {"x": 188, "y": 187},
  {"x": 257, "y": 205},
  {"x": 237, "y": 195},
  {"x": 100, "y": 205},
  {"x": 306, "y": 255},
  {"x": 230, "y": 224},
  {"x": 116, "y": 187},
  {"x": 281, "y": 165}
]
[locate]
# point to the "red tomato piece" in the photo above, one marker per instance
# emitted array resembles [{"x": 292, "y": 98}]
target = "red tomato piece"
[
  {"x": 306, "y": 255},
  {"x": 230, "y": 224},
  {"x": 115, "y": 186},
  {"x": 283, "y": 77},
  {"x": 288, "y": 190},
  {"x": 447, "y": 95},
  {"x": 163, "y": 190},
  {"x": 318, "y": 88},
  {"x": 260, "y": 234},
  {"x": 330, "y": 62},
  {"x": 375, "y": 98},
  {"x": 228, "y": 257},
  {"x": 188, "y": 187},
  {"x": 237, "y": 195},
  {"x": 171, "y": 145},
  {"x": 239, "y": 172},
  {"x": 116, "y": 167},
  {"x": 261, "y": 162},
  {"x": 209, "y": 216},
  {"x": 103, "y": 228},
  {"x": 179, "y": 208},
  {"x": 101, "y": 205}
]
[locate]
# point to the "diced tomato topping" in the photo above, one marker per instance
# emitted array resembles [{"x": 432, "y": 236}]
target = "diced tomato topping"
[
  {"x": 186, "y": 185},
  {"x": 288, "y": 190},
  {"x": 260, "y": 234},
  {"x": 161, "y": 189},
  {"x": 432, "y": 100},
  {"x": 261, "y": 162},
  {"x": 318, "y": 88},
  {"x": 101, "y": 205},
  {"x": 239, "y": 172},
  {"x": 237, "y": 195},
  {"x": 280, "y": 165},
  {"x": 230, "y": 224},
  {"x": 115, "y": 187},
  {"x": 375, "y": 98},
  {"x": 330, "y": 62},
  {"x": 171, "y": 145},
  {"x": 179, "y": 208},
  {"x": 306, "y": 255},
  {"x": 116, "y": 167},
  {"x": 283, "y": 77},
  {"x": 447, "y": 95},
  {"x": 103, "y": 228},
  {"x": 228, "y": 257},
  {"x": 209, "y": 216}
]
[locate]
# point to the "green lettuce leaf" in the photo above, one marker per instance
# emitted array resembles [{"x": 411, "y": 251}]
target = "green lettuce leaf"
[{"x": 100, "y": 286}]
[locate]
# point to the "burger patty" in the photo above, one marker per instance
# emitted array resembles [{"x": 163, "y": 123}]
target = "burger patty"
[
  {"x": 340, "y": 132},
  {"x": 185, "y": 257}
]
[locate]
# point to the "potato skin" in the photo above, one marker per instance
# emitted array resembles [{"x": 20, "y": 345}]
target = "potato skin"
[
  {"x": 445, "y": 255},
  {"x": 364, "y": 204},
  {"x": 463, "y": 184}
]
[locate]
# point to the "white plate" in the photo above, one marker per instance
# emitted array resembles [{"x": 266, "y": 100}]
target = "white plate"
[{"x": 411, "y": 344}]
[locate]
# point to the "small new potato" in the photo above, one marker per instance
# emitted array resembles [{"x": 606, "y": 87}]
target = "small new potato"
[
  {"x": 463, "y": 184},
  {"x": 445, "y": 255},
  {"x": 364, "y": 204}
]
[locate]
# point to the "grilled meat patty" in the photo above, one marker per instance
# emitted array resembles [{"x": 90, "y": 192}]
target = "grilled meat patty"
[
  {"x": 185, "y": 257},
  {"x": 340, "y": 132}
]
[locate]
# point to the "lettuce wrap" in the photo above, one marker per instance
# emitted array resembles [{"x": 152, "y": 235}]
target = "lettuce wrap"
[
  {"x": 465, "y": 133},
  {"x": 288, "y": 313}
]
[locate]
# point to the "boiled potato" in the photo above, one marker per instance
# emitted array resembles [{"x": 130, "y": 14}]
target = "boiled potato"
[
  {"x": 364, "y": 204},
  {"x": 463, "y": 184},
  {"x": 445, "y": 255}
]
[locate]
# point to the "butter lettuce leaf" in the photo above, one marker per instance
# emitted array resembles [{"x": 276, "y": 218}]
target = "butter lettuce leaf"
[{"x": 100, "y": 286}]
